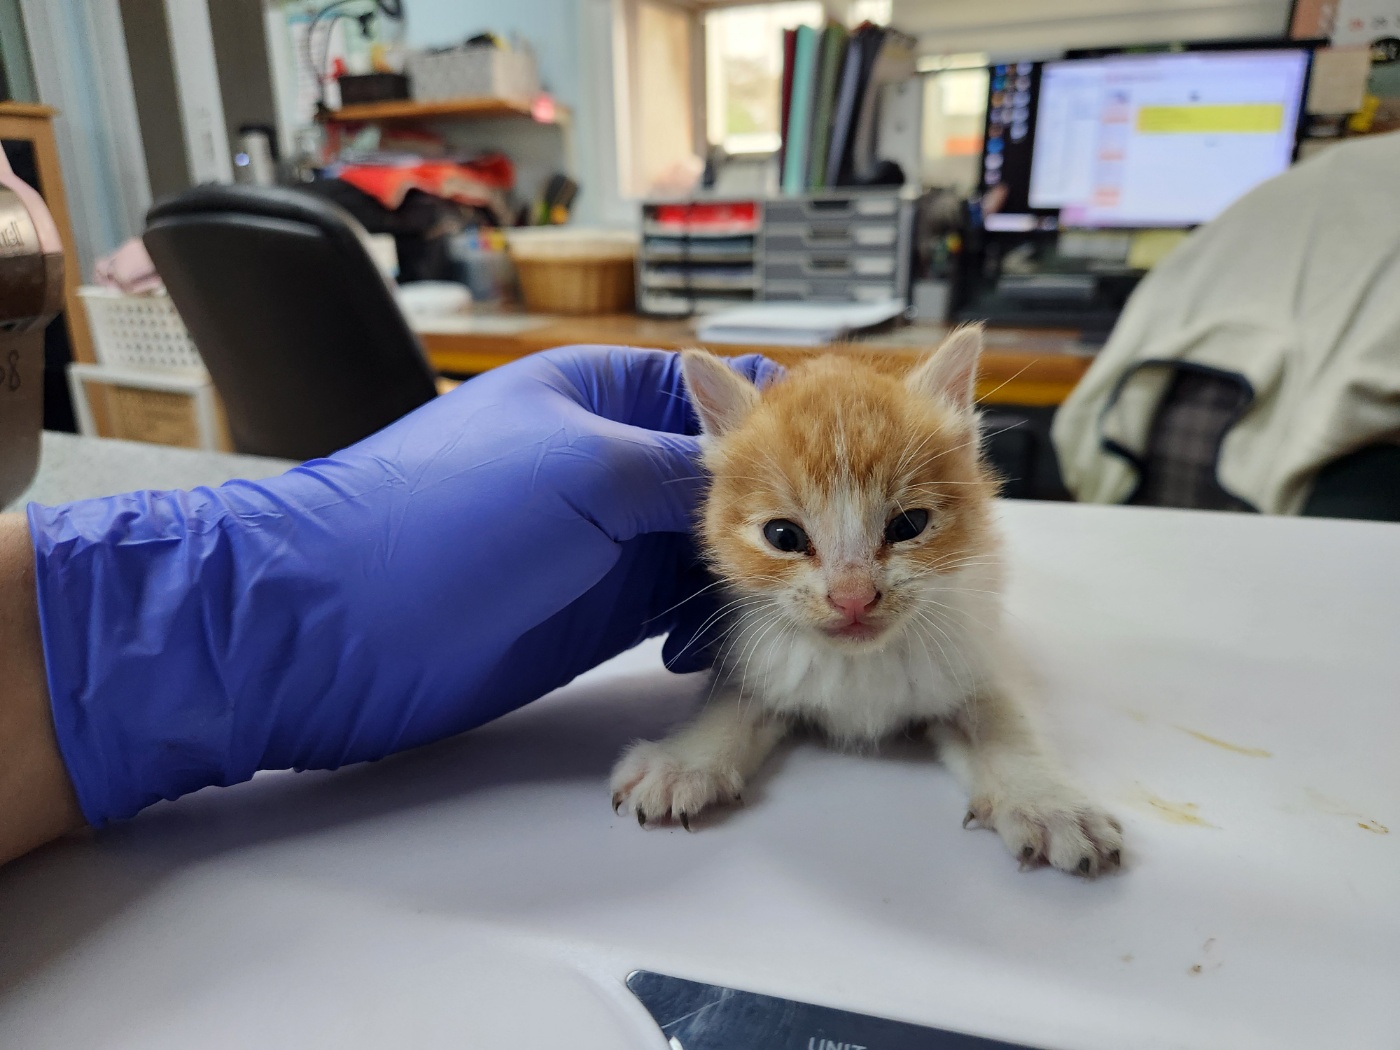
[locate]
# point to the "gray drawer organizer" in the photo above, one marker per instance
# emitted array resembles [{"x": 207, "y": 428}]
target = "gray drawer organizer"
[
  {"x": 698, "y": 255},
  {"x": 837, "y": 246},
  {"x": 834, "y": 246}
]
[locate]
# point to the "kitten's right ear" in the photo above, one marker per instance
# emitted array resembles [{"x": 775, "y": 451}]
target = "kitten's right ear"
[
  {"x": 950, "y": 372},
  {"x": 720, "y": 395}
]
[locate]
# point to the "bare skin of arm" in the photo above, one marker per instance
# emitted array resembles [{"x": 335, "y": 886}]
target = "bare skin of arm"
[{"x": 37, "y": 803}]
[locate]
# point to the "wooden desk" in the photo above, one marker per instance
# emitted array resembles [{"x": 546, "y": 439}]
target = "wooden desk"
[{"x": 1020, "y": 366}]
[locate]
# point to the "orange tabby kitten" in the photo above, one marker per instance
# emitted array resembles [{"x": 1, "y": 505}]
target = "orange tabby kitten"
[{"x": 851, "y": 520}]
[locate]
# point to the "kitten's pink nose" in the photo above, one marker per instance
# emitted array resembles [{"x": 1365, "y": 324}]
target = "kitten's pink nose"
[{"x": 853, "y": 601}]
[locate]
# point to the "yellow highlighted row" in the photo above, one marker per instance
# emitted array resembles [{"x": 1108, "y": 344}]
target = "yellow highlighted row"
[{"x": 1260, "y": 117}]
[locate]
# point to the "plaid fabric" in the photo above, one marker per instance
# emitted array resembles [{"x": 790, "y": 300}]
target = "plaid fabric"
[{"x": 1184, "y": 444}]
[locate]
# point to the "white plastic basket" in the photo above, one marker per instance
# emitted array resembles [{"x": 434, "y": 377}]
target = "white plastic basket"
[
  {"x": 473, "y": 72},
  {"x": 138, "y": 331}
]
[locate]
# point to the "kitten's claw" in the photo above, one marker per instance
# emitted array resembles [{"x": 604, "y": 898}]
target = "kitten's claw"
[
  {"x": 969, "y": 819},
  {"x": 1048, "y": 822},
  {"x": 617, "y": 803},
  {"x": 661, "y": 785}
]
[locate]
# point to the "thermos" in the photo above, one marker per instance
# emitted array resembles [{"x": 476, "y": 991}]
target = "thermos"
[
  {"x": 255, "y": 163},
  {"x": 31, "y": 295}
]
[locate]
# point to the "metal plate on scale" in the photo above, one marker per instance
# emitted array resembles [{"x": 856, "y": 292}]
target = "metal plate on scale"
[{"x": 696, "y": 1016}]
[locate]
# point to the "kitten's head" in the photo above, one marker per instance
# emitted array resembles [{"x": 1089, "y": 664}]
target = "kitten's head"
[{"x": 845, "y": 494}]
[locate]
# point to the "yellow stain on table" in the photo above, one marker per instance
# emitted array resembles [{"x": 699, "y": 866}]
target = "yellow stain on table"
[
  {"x": 1336, "y": 808},
  {"x": 1178, "y": 812},
  {"x": 1211, "y": 117},
  {"x": 1239, "y": 749}
]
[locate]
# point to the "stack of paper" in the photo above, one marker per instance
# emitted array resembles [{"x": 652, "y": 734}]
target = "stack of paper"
[{"x": 795, "y": 324}]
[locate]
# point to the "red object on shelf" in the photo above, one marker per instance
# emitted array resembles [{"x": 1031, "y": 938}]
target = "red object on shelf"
[
  {"x": 709, "y": 217},
  {"x": 477, "y": 183}
]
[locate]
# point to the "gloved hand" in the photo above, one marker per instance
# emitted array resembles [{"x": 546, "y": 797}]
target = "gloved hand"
[{"x": 476, "y": 554}]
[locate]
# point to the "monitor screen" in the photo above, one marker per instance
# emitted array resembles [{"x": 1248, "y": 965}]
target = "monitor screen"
[{"x": 1153, "y": 140}]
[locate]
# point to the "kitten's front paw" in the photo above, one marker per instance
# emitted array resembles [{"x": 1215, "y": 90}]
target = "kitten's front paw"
[
  {"x": 1052, "y": 824},
  {"x": 659, "y": 785}
]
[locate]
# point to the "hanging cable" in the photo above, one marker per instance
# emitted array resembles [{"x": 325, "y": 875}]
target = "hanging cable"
[{"x": 389, "y": 8}]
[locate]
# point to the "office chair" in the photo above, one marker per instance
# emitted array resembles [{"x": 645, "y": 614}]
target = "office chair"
[
  {"x": 298, "y": 329},
  {"x": 1183, "y": 448}
]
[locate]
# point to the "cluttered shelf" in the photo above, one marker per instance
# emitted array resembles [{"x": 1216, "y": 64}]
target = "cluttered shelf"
[
  {"x": 1020, "y": 366},
  {"x": 458, "y": 108}
]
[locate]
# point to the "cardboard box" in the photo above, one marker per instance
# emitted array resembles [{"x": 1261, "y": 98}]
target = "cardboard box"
[{"x": 164, "y": 408}]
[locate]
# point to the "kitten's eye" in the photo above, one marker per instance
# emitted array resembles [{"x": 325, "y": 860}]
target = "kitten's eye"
[
  {"x": 786, "y": 536},
  {"x": 906, "y": 526}
]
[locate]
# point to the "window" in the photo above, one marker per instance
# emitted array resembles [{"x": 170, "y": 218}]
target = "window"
[
  {"x": 663, "y": 110},
  {"x": 690, "y": 74},
  {"x": 744, "y": 72},
  {"x": 878, "y": 11},
  {"x": 955, "y": 107}
]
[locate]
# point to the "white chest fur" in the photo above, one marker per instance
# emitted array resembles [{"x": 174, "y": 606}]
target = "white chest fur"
[{"x": 929, "y": 667}]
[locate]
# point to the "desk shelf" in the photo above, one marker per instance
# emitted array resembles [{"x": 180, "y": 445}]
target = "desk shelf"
[{"x": 446, "y": 109}]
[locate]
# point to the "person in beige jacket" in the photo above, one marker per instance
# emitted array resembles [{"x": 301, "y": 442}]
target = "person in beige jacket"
[{"x": 1295, "y": 290}]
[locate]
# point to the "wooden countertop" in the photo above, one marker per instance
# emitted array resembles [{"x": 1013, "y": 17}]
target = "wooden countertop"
[{"x": 1020, "y": 366}]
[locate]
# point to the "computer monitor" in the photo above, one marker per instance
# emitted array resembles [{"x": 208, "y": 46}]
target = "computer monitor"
[
  {"x": 1006, "y": 149},
  {"x": 1140, "y": 140}
]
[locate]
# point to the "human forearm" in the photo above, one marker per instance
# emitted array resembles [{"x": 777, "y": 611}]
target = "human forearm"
[
  {"x": 308, "y": 621},
  {"x": 36, "y": 798}
]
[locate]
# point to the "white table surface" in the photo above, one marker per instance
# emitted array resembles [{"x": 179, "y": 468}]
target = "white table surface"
[
  {"x": 481, "y": 893},
  {"x": 73, "y": 467}
]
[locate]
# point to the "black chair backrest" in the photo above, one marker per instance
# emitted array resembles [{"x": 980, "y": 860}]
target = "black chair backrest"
[{"x": 298, "y": 329}]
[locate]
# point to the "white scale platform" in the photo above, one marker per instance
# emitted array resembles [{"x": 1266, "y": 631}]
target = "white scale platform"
[{"x": 1228, "y": 685}]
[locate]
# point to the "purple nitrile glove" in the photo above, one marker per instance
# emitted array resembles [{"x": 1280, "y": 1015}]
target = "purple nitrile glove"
[{"x": 464, "y": 561}]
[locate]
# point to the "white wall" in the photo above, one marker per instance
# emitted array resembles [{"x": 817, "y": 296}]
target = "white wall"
[
  {"x": 197, "y": 82},
  {"x": 559, "y": 32},
  {"x": 570, "y": 38},
  {"x": 1044, "y": 28}
]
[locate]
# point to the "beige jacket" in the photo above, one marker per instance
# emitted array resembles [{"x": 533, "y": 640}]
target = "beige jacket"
[{"x": 1296, "y": 288}]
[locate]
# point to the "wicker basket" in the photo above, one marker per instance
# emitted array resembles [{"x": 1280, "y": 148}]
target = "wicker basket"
[
  {"x": 147, "y": 404},
  {"x": 567, "y": 271},
  {"x": 138, "y": 331}
]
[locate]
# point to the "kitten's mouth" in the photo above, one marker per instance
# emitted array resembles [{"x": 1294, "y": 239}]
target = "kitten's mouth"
[{"x": 855, "y": 630}]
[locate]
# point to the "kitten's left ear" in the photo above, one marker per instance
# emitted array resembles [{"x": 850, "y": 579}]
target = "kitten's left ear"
[
  {"x": 720, "y": 395},
  {"x": 950, "y": 372}
]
